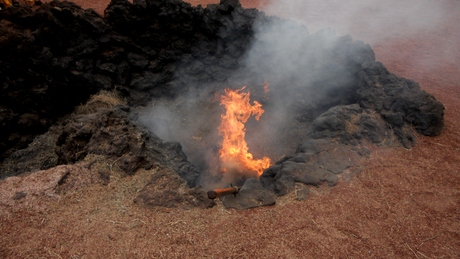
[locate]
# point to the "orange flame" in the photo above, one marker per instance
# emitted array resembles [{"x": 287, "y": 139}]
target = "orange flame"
[{"x": 234, "y": 154}]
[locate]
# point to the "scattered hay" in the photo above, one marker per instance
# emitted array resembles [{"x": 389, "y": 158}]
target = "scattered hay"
[{"x": 103, "y": 99}]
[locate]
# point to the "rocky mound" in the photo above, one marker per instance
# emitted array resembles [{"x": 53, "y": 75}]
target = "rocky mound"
[{"x": 332, "y": 88}]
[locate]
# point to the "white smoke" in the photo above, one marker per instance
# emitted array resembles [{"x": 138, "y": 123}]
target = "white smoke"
[
  {"x": 292, "y": 61},
  {"x": 191, "y": 120},
  {"x": 426, "y": 29},
  {"x": 369, "y": 20}
]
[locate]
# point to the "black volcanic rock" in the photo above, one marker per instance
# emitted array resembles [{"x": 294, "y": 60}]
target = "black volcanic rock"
[
  {"x": 400, "y": 101},
  {"x": 46, "y": 61},
  {"x": 56, "y": 56},
  {"x": 252, "y": 194},
  {"x": 317, "y": 161},
  {"x": 110, "y": 132}
]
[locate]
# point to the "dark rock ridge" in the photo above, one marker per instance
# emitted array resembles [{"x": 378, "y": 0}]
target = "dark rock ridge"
[
  {"x": 252, "y": 194},
  {"x": 315, "y": 162},
  {"x": 111, "y": 133},
  {"x": 55, "y": 57}
]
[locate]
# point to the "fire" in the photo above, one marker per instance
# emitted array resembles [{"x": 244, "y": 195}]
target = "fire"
[{"x": 234, "y": 154}]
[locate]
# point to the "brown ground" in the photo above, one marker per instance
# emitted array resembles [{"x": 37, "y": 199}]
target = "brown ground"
[{"x": 404, "y": 204}]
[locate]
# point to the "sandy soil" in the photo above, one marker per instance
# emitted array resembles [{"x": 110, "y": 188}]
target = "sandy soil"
[{"x": 404, "y": 204}]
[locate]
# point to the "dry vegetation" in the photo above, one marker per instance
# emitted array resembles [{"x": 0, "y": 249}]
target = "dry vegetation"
[
  {"x": 103, "y": 99},
  {"x": 404, "y": 203}
]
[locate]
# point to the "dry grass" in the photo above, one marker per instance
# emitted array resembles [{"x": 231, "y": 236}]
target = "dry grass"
[
  {"x": 103, "y": 99},
  {"x": 404, "y": 204},
  {"x": 400, "y": 206}
]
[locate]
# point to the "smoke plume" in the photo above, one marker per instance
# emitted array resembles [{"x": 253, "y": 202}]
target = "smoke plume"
[
  {"x": 303, "y": 62},
  {"x": 381, "y": 23},
  {"x": 371, "y": 21}
]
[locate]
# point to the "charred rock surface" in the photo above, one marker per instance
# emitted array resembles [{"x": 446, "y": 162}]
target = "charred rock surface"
[
  {"x": 400, "y": 102},
  {"x": 111, "y": 132},
  {"x": 53, "y": 58},
  {"x": 39, "y": 155},
  {"x": 58, "y": 55},
  {"x": 317, "y": 161},
  {"x": 252, "y": 194},
  {"x": 48, "y": 58}
]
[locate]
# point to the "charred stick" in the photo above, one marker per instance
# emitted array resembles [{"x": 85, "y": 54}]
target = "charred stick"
[{"x": 217, "y": 193}]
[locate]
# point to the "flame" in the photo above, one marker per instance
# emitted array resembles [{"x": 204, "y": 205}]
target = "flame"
[{"x": 234, "y": 154}]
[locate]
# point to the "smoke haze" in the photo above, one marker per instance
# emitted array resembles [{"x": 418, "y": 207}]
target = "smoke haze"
[
  {"x": 300, "y": 74},
  {"x": 371, "y": 20},
  {"x": 382, "y": 22},
  {"x": 294, "y": 57}
]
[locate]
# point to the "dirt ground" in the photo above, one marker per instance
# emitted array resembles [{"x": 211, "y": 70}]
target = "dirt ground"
[{"x": 404, "y": 203}]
